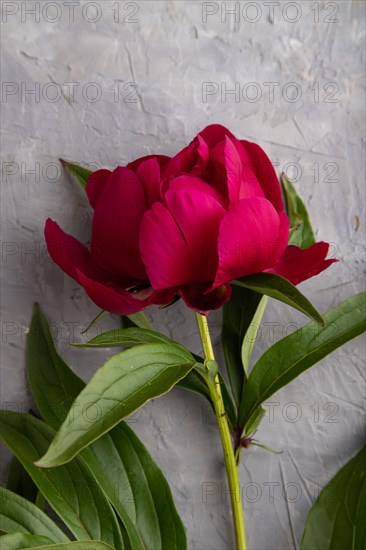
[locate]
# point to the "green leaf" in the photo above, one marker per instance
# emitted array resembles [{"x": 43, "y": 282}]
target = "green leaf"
[
  {"x": 127, "y": 337},
  {"x": 20, "y": 482},
  {"x": 141, "y": 496},
  {"x": 124, "y": 469},
  {"x": 251, "y": 334},
  {"x": 80, "y": 545},
  {"x": 16, "y": 541},
  {"x": 18, "y": 514},
  {"x": 97, "y": 318},
  {"x": 281, "y": 289},
  {"x": 80, "y": 173},
  {"x": 237, "y": 318},
  {"x": 48, "y": 374},
  {"x": 134, "y": 320},
  {"x": 254, "y": 421},
  {"x": 292, "y": 355},
  {"x": 133, "y": 336},
  {"x": 301, "y": 232},
  {"x": 70, "y": 490},
  {"x": 140, "y": 320},
  {"x": 195, "y": 382},
  {"x": 122, "y": 385},
  {"x": 40, "y": 501},
  {"x": 337, "y": 519}
]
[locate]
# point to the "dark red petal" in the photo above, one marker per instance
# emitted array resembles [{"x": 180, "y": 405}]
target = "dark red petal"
[
  {"x": 95, "y": 184},
  {"x": 195, "y": 183},
  {"x": 163, "y": 297},
  {"x": 297, "y": 265},
  {"x": 197, "y": 298},
  {"x": 179, "y": 244},
  {"x": 198, "y": 215},
  {"x": 241, "y": 183},
  {"x": 75, "y": 260},
  {"x": 116, "y": 225},
  {"x": 254, "y": 159},
  {"x": 112, "y": 298},
  {"x": 161, "y": 159},
  {"x": 249, "y": 239},
  {"x": 192, "y": 159},
  {"x": 69, "y": 254},
  {"x": 214, "y": 133},
  {"x": 184, "y": 161},
  {"x": 203, "y": 153},
  {"x": 149, "y": 173},
  {"x": 163, "y": 249}
]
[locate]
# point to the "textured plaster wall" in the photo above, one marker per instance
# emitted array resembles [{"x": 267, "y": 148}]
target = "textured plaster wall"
[{"x": 169, "y": 51}]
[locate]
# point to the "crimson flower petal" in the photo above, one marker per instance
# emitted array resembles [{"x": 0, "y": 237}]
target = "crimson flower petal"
[
  {"x": 214, "y": 133},
  {"x": 197, "y": 298},
  {"x": 297, "y": 265},
  {"x": 161, "y": 160},
  {"x": 194, "y": 184},
  {"x": 75, "y": 260},
  {"x": 163, "y": 249},
  {"x": 184, "y": 161},
  {"x": 112, "y": 298},
  {"x": 95, "y": 184},
  {"x": 241, "y": 181},
  {"x": 198, "y": 215},
  {"x": 251, "y": 236},
  {"x": 149, "y": 173},
  {"x": 178, "y": 243},
  {"x": 69, "y": 254},
  {"x": 255, "y": 160},
  {"x": 116, "y": 224}
]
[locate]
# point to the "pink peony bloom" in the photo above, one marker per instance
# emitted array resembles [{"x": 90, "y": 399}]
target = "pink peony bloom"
[{"x": 184, "y": 227}]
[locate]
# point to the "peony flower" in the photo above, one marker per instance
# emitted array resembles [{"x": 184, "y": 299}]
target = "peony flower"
[{"x": 185, "y": 226}]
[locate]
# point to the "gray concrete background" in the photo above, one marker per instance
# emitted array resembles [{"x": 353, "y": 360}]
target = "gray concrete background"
[{"x": 314, "y": 129}]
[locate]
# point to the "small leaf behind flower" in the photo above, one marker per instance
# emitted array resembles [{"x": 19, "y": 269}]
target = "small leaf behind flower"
[
  {"x": 80, "y": 173},
  {"x": 301, "y": 232},
  {"x": 281, "y": 289}
]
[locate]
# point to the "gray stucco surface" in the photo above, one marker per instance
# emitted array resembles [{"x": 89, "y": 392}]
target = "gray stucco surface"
[{"x": 184, "y": 58}]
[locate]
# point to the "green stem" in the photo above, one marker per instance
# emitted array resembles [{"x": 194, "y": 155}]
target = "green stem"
[{"x": 230, "y": 461}]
